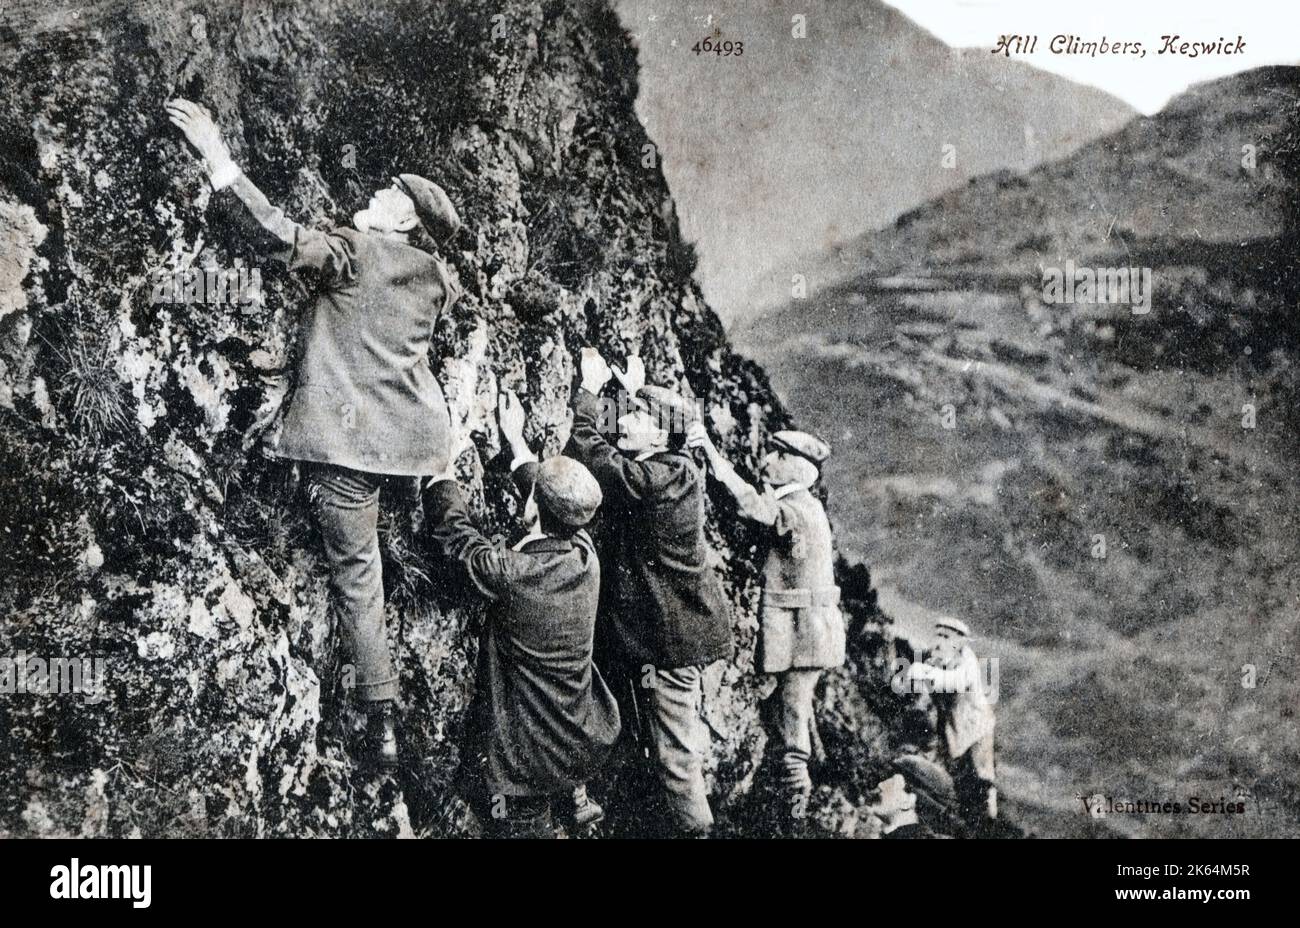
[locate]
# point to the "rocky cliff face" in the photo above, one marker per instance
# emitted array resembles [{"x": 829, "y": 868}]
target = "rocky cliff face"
[{"x": 143, "y": 525}]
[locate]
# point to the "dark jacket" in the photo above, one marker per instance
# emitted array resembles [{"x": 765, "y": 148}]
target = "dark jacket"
[
  {"x": 664, "y": 601},
  {"x": 366, "y": 397},
  {"x": 541, "y": 720}
]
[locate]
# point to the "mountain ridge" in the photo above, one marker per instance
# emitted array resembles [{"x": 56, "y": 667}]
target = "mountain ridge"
[{"x": 803, "y": 142}]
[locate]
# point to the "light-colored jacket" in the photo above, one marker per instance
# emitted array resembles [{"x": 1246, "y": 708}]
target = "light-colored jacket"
[
  {"x": 965, "y": 715},
  {"x": 366, "y": 397},
  {"x": 800, "y": 624}
]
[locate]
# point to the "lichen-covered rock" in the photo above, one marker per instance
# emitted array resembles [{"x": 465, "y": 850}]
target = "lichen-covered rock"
[{"x": 141, "y": 522}]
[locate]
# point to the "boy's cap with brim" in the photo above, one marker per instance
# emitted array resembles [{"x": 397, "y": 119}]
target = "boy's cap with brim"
[
  {"x": 670, "y": 407},
  {"x": 566, "y": 490},
  {"x": 953, "y": 625},
  {"x": 432, "y": 206},
  {"x": 921, "y": 772},
  {"x": 802, "y": 444}
]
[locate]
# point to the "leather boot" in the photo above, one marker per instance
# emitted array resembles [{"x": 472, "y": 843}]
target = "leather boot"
[
  {"x": 586, "y": 811},
  {"x": 381, "y": 733}
]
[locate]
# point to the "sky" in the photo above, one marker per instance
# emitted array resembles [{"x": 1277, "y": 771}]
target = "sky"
[{"x": 1270, "y": 29}]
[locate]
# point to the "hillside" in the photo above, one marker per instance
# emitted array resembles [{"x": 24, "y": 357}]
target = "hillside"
[
  {"x": 777, "y": 154},
  {"x": 140, "y": 523},
  {"x": 1110, "y": 499},
  {"x": 1177, "y": 175}
]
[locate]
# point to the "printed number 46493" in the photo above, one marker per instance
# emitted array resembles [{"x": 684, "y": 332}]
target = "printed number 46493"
[{"x": 720, "y": 49}]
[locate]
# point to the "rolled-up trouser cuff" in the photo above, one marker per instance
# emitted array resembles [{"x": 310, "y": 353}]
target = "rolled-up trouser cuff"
[
  {"x": 377, "y": 691},
  {"x": 973, "y": 778}
]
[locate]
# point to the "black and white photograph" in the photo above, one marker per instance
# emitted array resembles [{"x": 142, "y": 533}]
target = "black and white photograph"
[{"x": 777, "y": 420}]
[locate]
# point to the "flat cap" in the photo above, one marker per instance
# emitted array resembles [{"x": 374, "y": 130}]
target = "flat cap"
[
  {"x": 432, "y": 206},
  {"x": 672, "y": 411},
  {"x": 802, "y": 444},
  {"x": 567, "y": 491},
  {"x": 954, "y": 625},
  {"x": 923, "y": 773}
]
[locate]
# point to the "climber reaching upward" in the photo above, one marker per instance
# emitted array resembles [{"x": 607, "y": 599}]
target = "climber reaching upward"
[
  {"x": 542, "y": 719},
  {"x": 665, "y": 602},
  {"x": 367, "y": 405},
  {"x": 801, "y": 630}
]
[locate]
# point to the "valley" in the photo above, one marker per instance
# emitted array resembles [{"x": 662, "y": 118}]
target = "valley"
[{"x": 1120, "y": 544}]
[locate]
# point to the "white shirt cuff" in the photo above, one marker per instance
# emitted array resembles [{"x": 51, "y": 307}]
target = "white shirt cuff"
[{"x": 223, "y": 175}]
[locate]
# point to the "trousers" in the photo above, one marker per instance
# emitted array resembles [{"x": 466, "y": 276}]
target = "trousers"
[
  {"x": 345, "y": 504},
  {"x": 795, "y": 691},
  {"x": 679, "y": 738},
  {"x": 974, "y": 779}
]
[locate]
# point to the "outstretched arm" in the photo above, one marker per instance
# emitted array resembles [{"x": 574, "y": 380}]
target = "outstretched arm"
[
  {"x": 489, "y": 566},
  {"x": 617, "y": 474},
  {"x": 510, "y": 419},
  {"x": 759, "y": 507},
  {"x": 299, "y": 246}
]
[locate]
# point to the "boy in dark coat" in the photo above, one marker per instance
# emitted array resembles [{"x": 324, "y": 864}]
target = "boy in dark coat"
[
  {"x": 666, "y": 607},
  {"x": 542, "y": 719}
]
